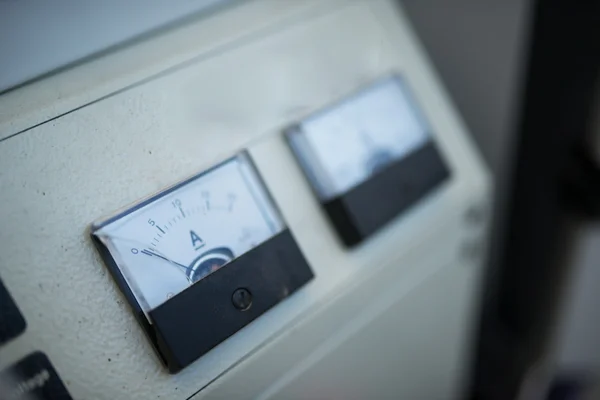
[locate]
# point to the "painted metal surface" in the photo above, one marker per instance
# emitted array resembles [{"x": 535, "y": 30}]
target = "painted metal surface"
[{"x": 123, "y": 145}]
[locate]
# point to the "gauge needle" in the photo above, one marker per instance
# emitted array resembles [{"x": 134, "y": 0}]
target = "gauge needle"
[
  {"x": 148, "y": 252},
  {"x": 151, "y": 253}
]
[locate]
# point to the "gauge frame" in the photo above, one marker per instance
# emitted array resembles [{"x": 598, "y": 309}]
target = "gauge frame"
[
  {"x": 271, "y": 270},
  {"x": 256, "y": 188},
  {"x": 366, "y": 206}
]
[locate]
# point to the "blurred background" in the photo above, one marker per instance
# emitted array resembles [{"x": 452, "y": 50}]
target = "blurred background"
[{"x": 524, "y": 75}]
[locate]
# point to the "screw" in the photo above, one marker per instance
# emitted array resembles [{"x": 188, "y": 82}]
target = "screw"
[{"x": 241, "y": 299}]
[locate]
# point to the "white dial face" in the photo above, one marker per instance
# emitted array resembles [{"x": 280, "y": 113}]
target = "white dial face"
[
  {"x": 343, "y": 146},
  {"x": 189, "y": 231}
]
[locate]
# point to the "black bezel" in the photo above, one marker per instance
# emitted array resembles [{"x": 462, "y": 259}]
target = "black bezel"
[
  {"x": 270, "y": 272},
  {"x": 366, "y": 208}
]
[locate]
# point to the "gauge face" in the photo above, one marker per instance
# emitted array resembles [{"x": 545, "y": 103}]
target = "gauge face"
[
  {"x": 344, "y": 145},
  {"x": 178, "y": 237}
]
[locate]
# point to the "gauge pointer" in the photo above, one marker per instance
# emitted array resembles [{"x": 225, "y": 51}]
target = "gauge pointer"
[{"x": 151, "y": 253}]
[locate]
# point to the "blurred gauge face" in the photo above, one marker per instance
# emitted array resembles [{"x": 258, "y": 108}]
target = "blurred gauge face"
[
  {"x": 344, "y": 145},
  {"x": 378, "y": 161},
  {"x": 188, "y": 232}
]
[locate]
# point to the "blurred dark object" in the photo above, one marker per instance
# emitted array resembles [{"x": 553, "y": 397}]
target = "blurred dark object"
[
  {"x": 574, "y": 387},
  {"x": 555, "y": 186},
  {"x": 582, "y": 183}
]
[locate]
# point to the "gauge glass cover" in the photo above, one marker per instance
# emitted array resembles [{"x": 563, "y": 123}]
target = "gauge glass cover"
[
  {"x": 167, "y": 243},
  {"x": 344, "y": 145}
]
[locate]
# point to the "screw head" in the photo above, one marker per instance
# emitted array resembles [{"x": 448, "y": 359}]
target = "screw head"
[{"x": 241, "y": 299}]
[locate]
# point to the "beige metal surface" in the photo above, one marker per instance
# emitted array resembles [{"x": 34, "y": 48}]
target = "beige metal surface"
[{"x": 402, "y": 303}]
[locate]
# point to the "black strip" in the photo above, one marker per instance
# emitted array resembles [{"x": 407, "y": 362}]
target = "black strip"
[
  {"x": 202, "y": 316},
  {"x": 369, "y": 206}
]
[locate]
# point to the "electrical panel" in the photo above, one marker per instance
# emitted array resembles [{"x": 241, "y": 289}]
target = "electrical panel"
[{"x": 287, "y": 208}]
